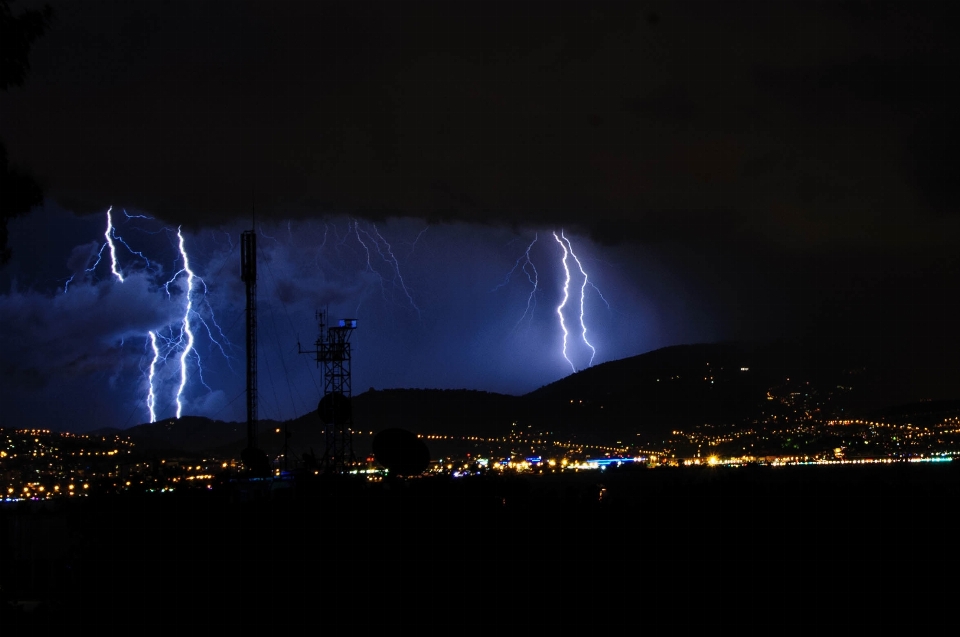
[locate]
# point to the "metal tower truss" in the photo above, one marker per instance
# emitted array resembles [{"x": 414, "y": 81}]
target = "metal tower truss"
[{"x": 332, "y": 351}]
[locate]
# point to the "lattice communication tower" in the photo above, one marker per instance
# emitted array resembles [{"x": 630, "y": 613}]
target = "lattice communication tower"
[{"x": 332, "y": 351}]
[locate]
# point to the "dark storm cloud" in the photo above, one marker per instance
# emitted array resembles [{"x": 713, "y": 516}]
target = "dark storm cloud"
[
  {"x": 309, "y": 286},
  {"x": 78, "y": 333},
  {"x": 81, "y": 256},
  {"x": 588, "y": 115}
]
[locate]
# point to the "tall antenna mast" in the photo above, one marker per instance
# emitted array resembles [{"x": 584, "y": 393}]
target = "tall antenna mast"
[{"x": 253, "y": 458}]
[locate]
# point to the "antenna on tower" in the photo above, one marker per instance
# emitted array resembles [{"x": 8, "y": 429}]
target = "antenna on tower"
[
  {"x": 332, "y": 350},
  {"x": 254, "y": 459}
]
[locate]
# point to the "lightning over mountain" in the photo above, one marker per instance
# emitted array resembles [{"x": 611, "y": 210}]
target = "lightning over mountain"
[
  {"x": 453, "y": 306},
  {"x": 572, "y": 348},
  {"x": 188, "y": 347},
  {"x": 583, "y": 293},
  {"x": 563, "y": 303},
  {"x": 151, "y": 394}
]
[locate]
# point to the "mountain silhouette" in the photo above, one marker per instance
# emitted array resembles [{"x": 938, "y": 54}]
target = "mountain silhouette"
[{"x": 640, "y": 399}]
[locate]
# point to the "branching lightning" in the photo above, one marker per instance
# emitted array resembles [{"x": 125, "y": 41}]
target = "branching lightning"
[
  {"x": 366, "y": 249},
  {"x": 385, "y": 251},
  {"x": 172, "y": 351},
  {"x": 390, "y": 258},
  {"x": 113, "y": 249},
  {"x": 583, "y": 295},
  {"x": 183, "y": 339},
  {"x": 323, "y": 244},
  {"x": 151, "y": 395},
  {"x": 130, "y": 216},
  {"x": 525, "y": 263},
  {"x": 186, "y": 324},
  {"x": 532, "y": 276},
  {"x": 110, "y": 235},
  {"x": 172, "y": 340},
  {"x": 379, "y": 257},
  {"x": 563, "y": 303},
  {"x": 266, "y": 236},
  {"x": 127, "y": 246},
  {"x": 568, "y": 252},
  {"x": 417, "y": 239}
]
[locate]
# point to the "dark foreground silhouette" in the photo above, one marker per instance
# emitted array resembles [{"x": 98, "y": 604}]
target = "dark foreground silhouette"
[{"x": 348, "y": 553}]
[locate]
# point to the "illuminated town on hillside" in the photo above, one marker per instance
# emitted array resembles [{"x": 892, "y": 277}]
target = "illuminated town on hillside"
[{"x": 38, "y": 464}]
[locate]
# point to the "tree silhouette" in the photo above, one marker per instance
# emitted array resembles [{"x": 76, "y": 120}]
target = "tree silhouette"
[{"x": 19, "y": 192}]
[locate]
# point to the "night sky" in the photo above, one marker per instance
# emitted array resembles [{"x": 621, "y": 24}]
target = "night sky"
[{"x": 721, "y": 170}]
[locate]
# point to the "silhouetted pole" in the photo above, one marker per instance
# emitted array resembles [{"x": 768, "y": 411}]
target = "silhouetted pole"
[{"x": 252, "y": 457}]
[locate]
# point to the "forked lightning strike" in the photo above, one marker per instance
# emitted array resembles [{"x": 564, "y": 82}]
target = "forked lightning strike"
[
  {"x": 563, "y": 303},
  {"x": 184, "y": 339},
  {"x": 583, "y": 295},
  {"x": 525, "y": 263},
  {"x": 181, "y": 339},
  {"x": 567, "y": 248},
  {"x": 113, "y": 249},
  {"x": 532, "y": 276},
  {"x": 151, "y": 395},
  {"x": 396, "y": 266},
  {"x": 389, "y": 258},
  {"x": 186, "y": 324},
  {"x": 110, "y": 234}
]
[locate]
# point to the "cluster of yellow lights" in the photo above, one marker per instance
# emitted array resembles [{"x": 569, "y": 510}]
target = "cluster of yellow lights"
[
  {"x": 797, "y": 460},
  {"x": 525, "y": 465},
  {"x": 37, "y": 490},
  {"x": 579, "y": 447}
]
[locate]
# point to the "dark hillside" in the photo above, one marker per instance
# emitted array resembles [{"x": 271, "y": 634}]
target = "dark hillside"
[{"x": 634, "y": 400}]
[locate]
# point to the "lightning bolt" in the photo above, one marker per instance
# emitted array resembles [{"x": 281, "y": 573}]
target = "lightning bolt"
[
  {"x": 583, "y": 295},
  {"x": 180, "y": 342},
  {"x": 323, "y": 244},
  {"x": 113, "y": 249},
  {"x": 110, "y": 234},
  {"x": 186, "y": 323},
  {"x": 151, "y": 395},
  {"x": 563, "y": 303},
  {"x": 379, "y": 243},
  {"x": 417, "y": 239},
  {"x": 568, "y": 252},
  {"x": 366, "y": 249},
  {"x": 525, "y": 264},
  {"x": 113, "y": 254},
  {"x": 532, "y": 276},
  {"x": 130, "y": 216},
  {"x": 396, "y": 266},
  {"x": 127, "y": 246},
  {"x": 266, "y": 236}
]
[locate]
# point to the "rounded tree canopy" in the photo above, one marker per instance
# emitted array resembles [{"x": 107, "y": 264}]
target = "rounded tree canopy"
[{"x": 401, "y": 452}]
